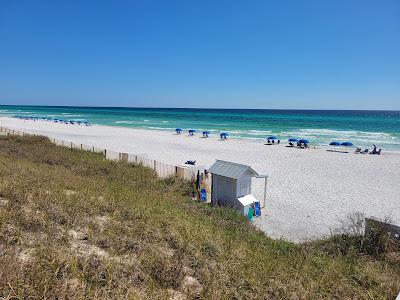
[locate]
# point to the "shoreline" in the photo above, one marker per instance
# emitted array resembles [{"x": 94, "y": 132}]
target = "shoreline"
[
  {"x": 320, "y": 127},
  {"x": 308, "y": 192}
]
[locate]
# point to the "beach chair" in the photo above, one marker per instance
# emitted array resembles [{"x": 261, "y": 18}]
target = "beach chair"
[
  {"x": 190, "y": 162},
  {"x": 377, "y": 152},
  {"x": 364, "y": 152},
  {"x": 358, "y": 150}
]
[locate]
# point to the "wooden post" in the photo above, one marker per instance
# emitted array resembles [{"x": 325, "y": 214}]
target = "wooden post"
[{"x": 265, "y": 192}]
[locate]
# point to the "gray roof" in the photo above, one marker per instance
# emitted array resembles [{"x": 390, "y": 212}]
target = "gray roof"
[{"x": 230, "y": 169}]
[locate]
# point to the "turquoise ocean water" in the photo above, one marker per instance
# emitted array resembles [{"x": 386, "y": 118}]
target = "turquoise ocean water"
[{"x": 363, "y": 128}]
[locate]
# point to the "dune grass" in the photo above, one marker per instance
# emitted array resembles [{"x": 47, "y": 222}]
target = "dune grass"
[{"x": 75, "y": 225}]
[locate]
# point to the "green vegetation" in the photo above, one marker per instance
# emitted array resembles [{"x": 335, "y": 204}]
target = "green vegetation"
[{"x": 73, "y": 224}]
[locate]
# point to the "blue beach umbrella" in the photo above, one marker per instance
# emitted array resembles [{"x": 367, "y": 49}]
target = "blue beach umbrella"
[
  {"x": 224, "y": 135},
  {"x": 347, "y": 144},
  {"x": 334, "y": 144},
  {"x": 303, "y": 141},
  {"x": 272, "y": 137},
  {"x": 178, "y": 130},
  {"x": 292, "y": 140},
  {"x": 206, "y": 133}
]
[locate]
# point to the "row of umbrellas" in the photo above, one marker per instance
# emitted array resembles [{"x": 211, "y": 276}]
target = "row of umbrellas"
[
  {"x": 291, "y": 140},
  {"x": 205, "y": 132},
  {"x": 304, "y": 141},
  {"x": 273, "y": 137},
  {"x": 53, "y": 120}
]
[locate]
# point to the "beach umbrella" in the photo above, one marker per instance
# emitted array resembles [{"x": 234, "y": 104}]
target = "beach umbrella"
[
  {"x": 178, "y": 130},
  {"x": 303, "y": 141},
  {"x": 223, "y": 135},
  {"x": 272, "y": 137},
  {"x": 206, "y": 133},
  {"x": 347, "y": 144},
  {"x": 334, "y": 144},
  {"x": 292, "y": 140}
]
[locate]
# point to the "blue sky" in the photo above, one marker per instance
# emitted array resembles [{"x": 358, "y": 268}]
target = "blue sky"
[{"x": 236, "y": 54}]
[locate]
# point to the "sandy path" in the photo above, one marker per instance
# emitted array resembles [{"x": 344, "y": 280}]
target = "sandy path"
[{"x": 308, "y": 190}]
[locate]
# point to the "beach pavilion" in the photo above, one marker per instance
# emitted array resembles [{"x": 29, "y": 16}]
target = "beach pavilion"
[{"x": 231, "y": 185}]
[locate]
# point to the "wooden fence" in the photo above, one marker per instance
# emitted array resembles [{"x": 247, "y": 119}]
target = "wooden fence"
[{"x": 163, "y": 170}]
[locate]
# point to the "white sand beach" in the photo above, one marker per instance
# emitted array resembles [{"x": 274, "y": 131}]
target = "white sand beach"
[{"x": 309, "y": 190}]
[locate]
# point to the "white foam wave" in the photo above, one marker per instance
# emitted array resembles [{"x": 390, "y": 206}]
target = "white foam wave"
[
  {"x": 158, "y": 128},
  {"x": 71, "y": 115},
  {"x": 257, "y": 132},
  {"x": 125, "y": 122}
]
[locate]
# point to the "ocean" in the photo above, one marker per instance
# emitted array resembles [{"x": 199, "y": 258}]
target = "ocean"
[{"x": 362, "y": 128}]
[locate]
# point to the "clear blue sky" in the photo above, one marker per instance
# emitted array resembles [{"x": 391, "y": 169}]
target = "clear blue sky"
[{"x": 236, "y": 54}]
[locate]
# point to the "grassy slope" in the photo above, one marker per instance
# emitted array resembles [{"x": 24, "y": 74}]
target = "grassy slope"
[{"x": 72, "y": 223}]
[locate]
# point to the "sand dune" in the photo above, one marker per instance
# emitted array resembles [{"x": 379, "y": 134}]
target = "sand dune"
[{"x": 309, "y": 190}]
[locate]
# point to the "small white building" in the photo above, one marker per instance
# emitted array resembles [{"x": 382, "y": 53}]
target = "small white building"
[{"x": 231, "y": 185}]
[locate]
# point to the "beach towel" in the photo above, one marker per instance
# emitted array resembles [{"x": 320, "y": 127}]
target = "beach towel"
[{"x": 250, "y": 214}]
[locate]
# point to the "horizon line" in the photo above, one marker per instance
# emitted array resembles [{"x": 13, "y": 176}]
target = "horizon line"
[{"x": 203, "y": 108}]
